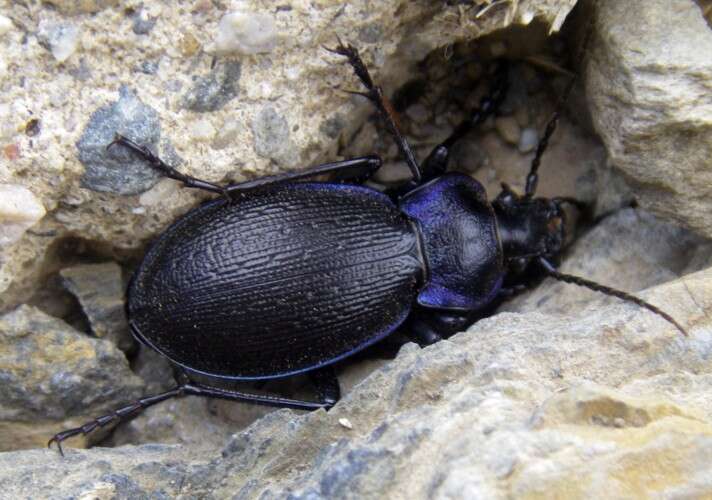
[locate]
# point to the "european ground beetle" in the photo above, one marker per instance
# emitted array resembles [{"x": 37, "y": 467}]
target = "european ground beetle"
[{"x": 278, "y": 277}]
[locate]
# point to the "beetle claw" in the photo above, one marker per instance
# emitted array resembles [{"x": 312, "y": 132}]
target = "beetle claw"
[{"x": 56, "y": 439}]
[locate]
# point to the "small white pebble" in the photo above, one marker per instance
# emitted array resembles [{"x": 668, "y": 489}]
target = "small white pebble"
[
  {"x": 138, "y": 210},
  {"x": 246, "y": 32},
  {"x": 202, "y": 130},
  {"x": 345, "y": 422},
  {"x": 62, "y": 39},
  {"x": 528, "y": 140},
  {"x": 5, "y": 24},
  {"x": 19, "y": 210}
]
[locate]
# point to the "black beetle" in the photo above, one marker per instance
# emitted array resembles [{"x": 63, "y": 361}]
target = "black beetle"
[{"x": 278, "y": 277}]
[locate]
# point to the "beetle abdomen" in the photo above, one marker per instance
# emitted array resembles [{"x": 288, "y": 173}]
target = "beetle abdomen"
[{"x": 277, "y": 283}]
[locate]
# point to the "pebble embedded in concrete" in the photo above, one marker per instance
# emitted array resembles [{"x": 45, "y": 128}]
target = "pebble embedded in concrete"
[
  {"x": 60, "y": 38},
  {"x": 246, "y": 32},
  {"x": 202, "y": 131},
  {"x": 142, "y": 23},
  {"x": 212, "y": 91},
  {"x": 271, "y": 136},
  {"x": 117, "y": 170},
  {"x": 19, "y": 210}
]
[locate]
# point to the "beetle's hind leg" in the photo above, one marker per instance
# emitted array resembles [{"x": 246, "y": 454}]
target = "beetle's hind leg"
[
  {"x": 163, "y": 167},
  {"x": 324, "y": 379},
  {"x": 118, "y": 414}
]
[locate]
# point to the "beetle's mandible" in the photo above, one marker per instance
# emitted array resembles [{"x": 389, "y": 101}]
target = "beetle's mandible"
[{"x": 283, "y": 275}]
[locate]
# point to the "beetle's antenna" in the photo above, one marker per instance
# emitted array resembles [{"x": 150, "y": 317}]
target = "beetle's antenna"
[
  {"x": 533, "y": 176},
  {"x": 592, "y": 285}
]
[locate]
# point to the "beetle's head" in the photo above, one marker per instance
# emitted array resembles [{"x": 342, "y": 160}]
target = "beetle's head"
[{"x": 529, "y": 228}]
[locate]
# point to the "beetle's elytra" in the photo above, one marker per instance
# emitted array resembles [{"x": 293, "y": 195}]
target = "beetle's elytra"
[{"x": 283, "y": 275}]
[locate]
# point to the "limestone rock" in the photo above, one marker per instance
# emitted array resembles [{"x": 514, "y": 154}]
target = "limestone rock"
[
  {"x": 100, "y": 291},
  {"x": 648, "y": 80},
  {"x": 519, "y": 405},
  {"x": 54, "y": 377}
]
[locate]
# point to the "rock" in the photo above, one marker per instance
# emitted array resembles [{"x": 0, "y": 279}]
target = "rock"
[
  {"x": 59, "y": 38},
  {"x": 118, "y": 170},
  {"x": 149, "y": 67},
  {"x": 142, "y": 23},
  {"x": 54, "y": 377},
  {"x": 508, "y": 128},
  {"x": 81, "y": 6},
  {"x": 393, "y": 173},
  {"x": 631, "y": 250},
  {"x": 271, "y": 137},
  {"x": 5, "y": 24},
  {"x": 100, "y": 291},
  {"x": 19, "y": 210},
  {"x": 246, "y": 32},
  {"x": 212, "y": 92},
  {"x": 528, "y": 140},
  {"x": 519, "y": 405},
  {"x": 648, "y": 79},
  {"x": 203, "y": 131}
]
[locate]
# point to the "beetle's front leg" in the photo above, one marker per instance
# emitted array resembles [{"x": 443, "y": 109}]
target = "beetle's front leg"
[
  {"x": 163, "y": 167},
  {"x": 374, "y": 93}
]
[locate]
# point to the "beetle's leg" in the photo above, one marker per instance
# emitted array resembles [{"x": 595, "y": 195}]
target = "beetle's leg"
[
  {"x": 327, "y": 385},
  {"x": 104, "y": 420},
  {"x": 374, "y": 93},
  {"x": 354, "y": 170},
  {"x": 533, "y": 176},
  {"x": 436, "y": 162},
  {"x": 428, "y": 326},
  {"x": 329, "y": 394},
  {"x": 163, "y": 167}
]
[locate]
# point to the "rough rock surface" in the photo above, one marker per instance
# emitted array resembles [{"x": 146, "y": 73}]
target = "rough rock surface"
[
  {"x": 520, "y": 405},
  {"x": 101, "y": 291},
  {"x": 54, "y": 377},
  {"x": 649, "y": 81}
]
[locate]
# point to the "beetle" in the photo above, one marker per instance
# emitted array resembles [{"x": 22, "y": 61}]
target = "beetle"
[{"x": 283, "y": 275}]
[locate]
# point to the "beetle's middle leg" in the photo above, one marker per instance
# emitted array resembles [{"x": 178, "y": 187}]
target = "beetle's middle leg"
[
  {"x": 374, "y": 93},
  {"x": 436, "y": 162}
]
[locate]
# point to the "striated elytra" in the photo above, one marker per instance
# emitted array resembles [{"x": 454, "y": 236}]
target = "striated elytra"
[{"x": 284, "y": 275}]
